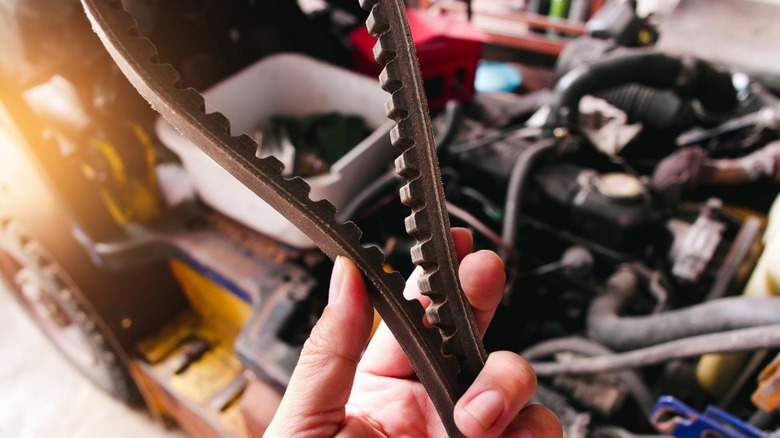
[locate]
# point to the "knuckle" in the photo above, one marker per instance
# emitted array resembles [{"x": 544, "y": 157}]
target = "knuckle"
[{"x": 514, "y": 372}]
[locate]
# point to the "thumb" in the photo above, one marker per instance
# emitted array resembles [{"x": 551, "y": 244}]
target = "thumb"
[{"x": 321, "y": 382}]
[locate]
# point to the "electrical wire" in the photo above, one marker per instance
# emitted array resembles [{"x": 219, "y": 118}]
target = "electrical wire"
[
  {"x": 490, "y": 208},
  {"x": 636, "y": 386},
  {"x": 492, "y": 137},
  {"x": 733, "y": 341},
  {"x": 475, "y": 223},
  {"x": 510, "y": 256}
]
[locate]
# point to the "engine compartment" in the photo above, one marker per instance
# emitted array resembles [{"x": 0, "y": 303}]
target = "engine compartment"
[{"x": 627, "y": 226}]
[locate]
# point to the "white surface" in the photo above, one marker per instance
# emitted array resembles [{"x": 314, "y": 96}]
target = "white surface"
[
  {"x": 292, "y": 85},
  {"x": 41, "y": 395}
]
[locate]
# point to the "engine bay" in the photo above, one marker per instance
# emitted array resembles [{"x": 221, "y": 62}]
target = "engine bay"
[{"x": 630, "y": 230}]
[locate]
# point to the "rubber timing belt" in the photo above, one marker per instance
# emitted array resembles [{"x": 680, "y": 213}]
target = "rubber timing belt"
[{"x": 445, "y": 360}]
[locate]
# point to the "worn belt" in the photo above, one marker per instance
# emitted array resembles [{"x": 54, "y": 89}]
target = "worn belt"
[{"x": 445, "y": 360}]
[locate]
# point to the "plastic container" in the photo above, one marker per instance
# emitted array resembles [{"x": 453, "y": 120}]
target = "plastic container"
[{"x": 292, "y": 85}]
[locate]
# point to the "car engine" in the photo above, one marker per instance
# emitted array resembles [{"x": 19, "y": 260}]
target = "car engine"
[{"x": 630, "y": 226}]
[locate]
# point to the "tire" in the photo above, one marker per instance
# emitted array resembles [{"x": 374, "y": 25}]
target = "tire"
[{"x": 56, "y": 304}]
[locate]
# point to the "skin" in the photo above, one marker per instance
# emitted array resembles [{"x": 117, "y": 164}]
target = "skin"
[{"x": 341, "y": 388}]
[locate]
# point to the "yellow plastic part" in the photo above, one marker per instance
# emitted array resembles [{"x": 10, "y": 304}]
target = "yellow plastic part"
[
  {"x": 765, "y": 280},
  {"x": 715, "y": 371},
  {"x": 222, "y": 312},
  {"x": 134, "y": 198},
  {"x": 217, "y": 316}
]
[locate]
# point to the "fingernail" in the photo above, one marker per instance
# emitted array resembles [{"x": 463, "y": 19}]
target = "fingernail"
[
  {"x": 337, "y": 279},
  {"x": 486, "y": 408},
  {"x": 524, "y": 433}
]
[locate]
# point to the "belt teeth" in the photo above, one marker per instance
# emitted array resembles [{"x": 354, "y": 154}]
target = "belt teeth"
[
  {"x": 435, "y": 312},
  {"x": 383, "y": 55},
  {"x": 408, "y": 198},
  {"x": 193, "y": 98},
  {"x": 399, "y": 139},
  {"x": 372, "y": 253},
  {"x": 376, "y": 25},
  {"x": 424, "y": 284},
  {"x": 326, "y": 207},
  {"x": 443, "y": 319},
  {"x": 417, "y": 225},
  {"x": 433, "y": 315},
  {"x": 298, "y": 184},
  {"x": 395, "y": 113},
  {"x": 422, "y": 254},
  {"x": 247, "y": 146},
  {"x": 413, "y": 226},
  {"x": 220, "y": 121},
  {"x": 389, "y": 84},
  {"x": 448, "y": 336},
  {"x": 368, "y": 4},
  {"x": 143, "y": 46},
  {"x": 448, "y": 332},
  {"x": 171, "y": 75},
  {"x": 393, "y": 71},
  {"x": 404, "y": 167}
]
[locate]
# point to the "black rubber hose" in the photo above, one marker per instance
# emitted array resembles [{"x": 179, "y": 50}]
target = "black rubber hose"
[
  {"x": 636, "y": 386},
  {"x": 453, "y": 113},
  {"x": 657, "y": 109},
  {"x": 606, "y": 326},
  {"x": 764, "y": 420},
  {"x": 734, "y": 341},
  {"x": 380, "y": 185},
  {"x": 687, "y": 77},
  {"x": 518, "y": 181},
  {"x": 388, "y": 179}
]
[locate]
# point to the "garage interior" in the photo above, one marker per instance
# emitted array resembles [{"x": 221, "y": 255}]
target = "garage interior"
[{"x": 652, "y": 219}]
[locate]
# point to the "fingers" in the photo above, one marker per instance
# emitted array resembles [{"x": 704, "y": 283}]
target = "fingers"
[
  {"x": 321, "y": 382},
  {"x": 492, "y": 402},
  {"x": 535, "y": 421},
  {"x": 463, "y": 241},
  {"x": 482, "y": 277}
]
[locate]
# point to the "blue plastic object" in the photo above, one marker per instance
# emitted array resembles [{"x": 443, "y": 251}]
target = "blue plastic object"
[
  {"x": 673, "y": 417},
  {"x": 496, "y": 76}
]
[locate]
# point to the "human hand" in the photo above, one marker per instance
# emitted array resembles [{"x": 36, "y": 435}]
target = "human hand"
[{"x": 335, "y": 392}]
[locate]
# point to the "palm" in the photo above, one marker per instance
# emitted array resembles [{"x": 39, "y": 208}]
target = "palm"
[{"x": 393, "y": 406}]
